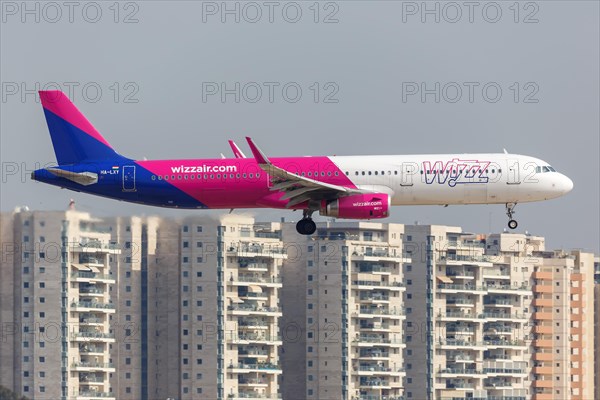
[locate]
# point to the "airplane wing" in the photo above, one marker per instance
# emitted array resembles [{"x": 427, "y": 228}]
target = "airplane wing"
[
  {"x": 298, "y": 188},
  {"x": 236, "y": 150}
]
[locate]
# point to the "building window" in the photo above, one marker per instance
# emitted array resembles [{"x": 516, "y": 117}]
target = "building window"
[
  {"x": 198, "y": 228},
  {"x": 185, "y": 228}
]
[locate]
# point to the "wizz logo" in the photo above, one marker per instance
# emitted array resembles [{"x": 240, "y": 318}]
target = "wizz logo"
[{"x": 456, "y": 171}]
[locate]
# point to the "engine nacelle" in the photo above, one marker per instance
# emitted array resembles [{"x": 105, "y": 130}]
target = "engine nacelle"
[{"x": 357, "y": 206}]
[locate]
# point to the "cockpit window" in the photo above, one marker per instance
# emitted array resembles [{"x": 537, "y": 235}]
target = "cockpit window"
[{"x": 544, "y": 169}]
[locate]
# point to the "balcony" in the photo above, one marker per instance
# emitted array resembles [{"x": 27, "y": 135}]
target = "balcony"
[
  {"x": 504, "y": 371},
  {"x": 454, "y": 259},
  {"x": 83, "y": 306},
  {"x": 242, "y": 280},
  {"x": 496, "y": 273},
  {"x": 375, "y": 269},
  {"x": 90, "y": 349},
  {"x": 448, "y": 372},
  {"x": 543, "y": 370},
  {"x": 257, "y": 267},
  {"x": 253, "y": 395},
  {"x": 374, "y": 354},
  {"x": 451, "y": 342},
  {"x": 497, "y": 383},
  {"x": 253, "y": 353},
  {"x": 460, "y": 274},
  {"x": 375, "y": 326},
  {"x": 374, "y": 382},
  {"x": 242, "y": 309},
  {"x": 245, "y": 338},
  {"x": 543, "y": 302},
  {"x": 498, "y": 316},
  {"x": 257, "y": 251},
  {"x": 380, "y": 341},
  {"x": 86, "y": 366},
  {"x": 542, "y": 275},
  {"x": 456, "y": 315},
  {"x": 543, "y": 356},
  {"x": 91, "y": 291},
  {"x": 258, "y": 367},
  {"x": 372, "y": 312},
  {"x": 90, "y": 321},
  {"x": 375, "y": 369},
  {"x": 378, "y": 284},
  {"x": 84, "y": 276},
  {"x": 504, "y": 343},
  {"x": 253, "y": 324},
  {"x": 374, "y": 297},
  {"x": 459, "y": 302},
  {"x": 542, "y": 316},
  {"x": 254, "y": 296},
  {"x": 543, "y": 329},
  {"x": 543, "y": 288},
  {"x": 94, "y": 336},
  {"x": 455, "y": 287},
  {"x": 254, "y": 382},
  {"x": 507, "y": 288},
  {"x": 498, "y": 302},
  {"x": 93, "y": 395}
]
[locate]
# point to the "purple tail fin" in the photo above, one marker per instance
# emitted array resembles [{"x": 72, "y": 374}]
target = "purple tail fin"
[{"x": 74, "y": 139}]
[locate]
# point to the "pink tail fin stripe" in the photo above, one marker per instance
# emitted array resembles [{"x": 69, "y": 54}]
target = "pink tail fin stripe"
[{"x": 58, "y": 103}]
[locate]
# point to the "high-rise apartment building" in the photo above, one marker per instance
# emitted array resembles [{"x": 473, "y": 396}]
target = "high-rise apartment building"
[
  {"x": 467, "y": 330},
  {"x": 221, "y": 307},
  {"x": 140, "y": 307},
  {"x": 563, "y": 323},
  {"x": 343, "y": 312},
  {"x": 497, "y": 317},
  {"x": 56, "y": 306}
]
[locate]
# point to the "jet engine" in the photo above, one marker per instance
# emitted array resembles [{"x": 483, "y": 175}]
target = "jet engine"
[{"x": 357, "y": 206}]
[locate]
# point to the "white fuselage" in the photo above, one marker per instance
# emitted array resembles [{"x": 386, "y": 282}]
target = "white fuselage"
[{"x": 456, "y": 178}]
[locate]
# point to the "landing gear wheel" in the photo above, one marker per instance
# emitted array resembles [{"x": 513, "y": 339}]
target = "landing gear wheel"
[
  {"x": 306, "y": 226},
  {"x": 510, "y": 210}
]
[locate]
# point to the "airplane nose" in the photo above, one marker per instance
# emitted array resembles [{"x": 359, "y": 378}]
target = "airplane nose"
[{"x": 565, "y": 184}]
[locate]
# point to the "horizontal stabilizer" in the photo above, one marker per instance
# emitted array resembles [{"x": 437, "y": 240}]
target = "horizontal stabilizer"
[{"x": 83, "y": 178}]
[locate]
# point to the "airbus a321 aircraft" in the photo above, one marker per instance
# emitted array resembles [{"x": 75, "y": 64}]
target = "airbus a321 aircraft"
[{"x": 355, "y": 187}]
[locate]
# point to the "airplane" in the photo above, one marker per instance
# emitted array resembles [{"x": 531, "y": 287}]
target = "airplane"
[{"x": 353, "y": 187}]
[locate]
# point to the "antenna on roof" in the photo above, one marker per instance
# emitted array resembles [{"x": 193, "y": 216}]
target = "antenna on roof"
[{"x": 505, "y": 152}]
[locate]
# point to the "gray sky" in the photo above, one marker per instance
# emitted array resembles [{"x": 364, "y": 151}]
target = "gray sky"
[{"x": 358, "y": 68}]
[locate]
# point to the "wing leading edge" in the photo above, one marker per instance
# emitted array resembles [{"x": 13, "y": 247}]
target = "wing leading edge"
[{"x": 298, "y": 189}]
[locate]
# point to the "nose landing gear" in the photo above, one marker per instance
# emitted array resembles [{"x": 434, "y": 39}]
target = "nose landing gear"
[{"x": 510, "y": 210}]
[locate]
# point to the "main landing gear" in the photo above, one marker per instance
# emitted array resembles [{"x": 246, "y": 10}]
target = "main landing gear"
[
  {"x": 306, "y": 226},
  {"x": 510, "y": 210}
]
